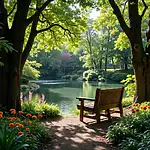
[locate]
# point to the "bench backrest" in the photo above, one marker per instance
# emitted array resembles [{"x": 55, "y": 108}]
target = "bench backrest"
[{"x": 108, "y": 98}]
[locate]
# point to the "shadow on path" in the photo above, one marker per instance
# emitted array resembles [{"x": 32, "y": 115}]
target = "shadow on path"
[{"x": 71, "y": 134}]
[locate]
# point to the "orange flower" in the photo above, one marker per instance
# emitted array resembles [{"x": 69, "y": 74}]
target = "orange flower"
[
  {"x": 21, "y": 126},
  {"x": 27, "y": 129},
  {"x": 34, "y": 117},
  {"x": 10, "y": 119},
  {"x": 40, "y": 116},
  {"x": 29, "y": 122},
  {"x": 20, "y": 112},
  {"x": 17, "y": 124},
  {"x": 11, "y": 125},
  {"x": 1, "y": 113},
  {"x": 148, "y": 107},
  {"x": 13, "y": 112},
  {"x": 137, "y": 109},
  {"x": 144, "y": 107},
  {"x": 136, "y": 104},
  {"x": 133, "y": 110},
  {"x": 20, "y": 133},
  {"x": 1, "y": 116},
  {"x": 28, "y": 115}
]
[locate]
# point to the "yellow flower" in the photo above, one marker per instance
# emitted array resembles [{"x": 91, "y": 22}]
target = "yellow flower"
[{"x": 11, "y": 125}]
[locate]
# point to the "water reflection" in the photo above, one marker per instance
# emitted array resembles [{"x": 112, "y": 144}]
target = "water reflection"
[{"x": 64, "y": 93}]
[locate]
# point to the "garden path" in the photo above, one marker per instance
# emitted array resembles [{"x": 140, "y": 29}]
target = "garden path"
[{"x": 71, "y": 134}]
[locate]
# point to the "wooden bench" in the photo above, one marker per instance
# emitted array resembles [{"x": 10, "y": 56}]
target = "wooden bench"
[{"x": 104, "y": 100}]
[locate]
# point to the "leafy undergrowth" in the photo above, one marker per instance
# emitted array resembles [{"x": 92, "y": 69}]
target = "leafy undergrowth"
[
  {"x": 132, "y": 132},
  {"x": 20, "y": 130},
  {"x": 37, "y": 105}
]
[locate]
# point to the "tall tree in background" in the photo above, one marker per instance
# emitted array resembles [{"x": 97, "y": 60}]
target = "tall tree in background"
[
  {"x": 23, "y": 21},
  {"x": 141, "y": 55}
]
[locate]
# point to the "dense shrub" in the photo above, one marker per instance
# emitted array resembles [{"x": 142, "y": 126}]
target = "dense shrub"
[
  {"x": 127, "y": 101},
  {"x": 119, "y": 76},
  {"x": 108, "y": 75},
  {"x": 66, "y": 77},
  {"x": 90, "y": 75},
  {"x": 74, "y": 77},
  {"x": 132, "y": 132},
  {"x": 24, "y": 80}
]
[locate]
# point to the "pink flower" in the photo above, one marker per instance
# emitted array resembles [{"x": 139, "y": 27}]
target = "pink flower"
[
  {"x": 30, "y": 95},
  {"x": 21, "y": 96},
  {"x": 43, "y": 97}
]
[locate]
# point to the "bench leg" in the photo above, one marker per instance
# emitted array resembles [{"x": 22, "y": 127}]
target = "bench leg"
[
  {"x": 81, "y": 115},
  {"x": 108, "y": 114},
  {"x": 98, "y": 117},
  {"x": 121, "y": 111}
]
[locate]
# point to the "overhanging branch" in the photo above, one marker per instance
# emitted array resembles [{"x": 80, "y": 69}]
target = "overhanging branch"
[
  {"x": 38, "y": 12},
  {"x": 145, "y": 8},
  {"x": 119, "y": 16}
]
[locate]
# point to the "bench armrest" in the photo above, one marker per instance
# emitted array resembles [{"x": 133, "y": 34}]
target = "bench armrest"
[{"x": 85, "y": 98}]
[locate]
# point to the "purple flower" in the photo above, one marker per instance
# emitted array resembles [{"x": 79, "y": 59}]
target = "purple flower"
[{"x": 25, "y": 99}]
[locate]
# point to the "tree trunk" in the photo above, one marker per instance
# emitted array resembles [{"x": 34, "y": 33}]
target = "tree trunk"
[
  {"x": 10, "y": 81},
  {"x": 126, "y": 66}
]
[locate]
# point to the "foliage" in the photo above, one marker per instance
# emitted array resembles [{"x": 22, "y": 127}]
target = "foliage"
[
  {"x": 118, "y": 76},
  {"x": 20, "y": 130},
  {"x": 36, "y": 105},
  {"x": 75, "y": 77},
  {"x": 30, "y": 71},
  {"x": 90, "y": 75},
  {"x": 130, "y": 86},
  {"x": 132, "y": 132},
  {"x": 57, "y": 63},
  {"x": 127, "y": 101},
  {"x": 5, "y": 45}
]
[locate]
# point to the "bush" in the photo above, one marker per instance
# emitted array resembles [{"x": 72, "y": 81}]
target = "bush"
[
  {"x": 90, "y": 75},
  {"x": 127, "y": 101},
  {"x": 36, "y": 105},
  {"x": 66, "y": 77},
  {"x": 132, "y": 132},
  {"x": 74, "y": 77},
  {"x": 118, "y": 76},
  {"x": 24, "y": 80}
]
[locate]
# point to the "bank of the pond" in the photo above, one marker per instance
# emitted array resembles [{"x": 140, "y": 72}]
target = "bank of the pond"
[{"x": 64, "y": 93}]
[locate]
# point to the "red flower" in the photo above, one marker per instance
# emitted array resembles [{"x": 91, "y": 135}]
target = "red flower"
[
  {"x": 144, "y": 107},
  {"x": 133, "y": 110}
]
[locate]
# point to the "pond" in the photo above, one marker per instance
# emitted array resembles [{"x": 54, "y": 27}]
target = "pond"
[{"x": 64, "y": 93}]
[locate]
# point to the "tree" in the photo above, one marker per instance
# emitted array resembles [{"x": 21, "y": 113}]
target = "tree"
[
  {"x": 23, "y": 21},
  {"x": 140, "y": 54}
]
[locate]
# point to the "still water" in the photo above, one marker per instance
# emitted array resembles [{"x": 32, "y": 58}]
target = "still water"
[{"x": 64, "y": 93}]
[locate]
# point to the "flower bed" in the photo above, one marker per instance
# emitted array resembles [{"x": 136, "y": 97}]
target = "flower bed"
[
  {"x": 19, "y": 130},
  {"x": 132, "y": 132}
]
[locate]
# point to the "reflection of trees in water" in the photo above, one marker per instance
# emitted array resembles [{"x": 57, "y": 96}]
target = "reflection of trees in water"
[{"x": 88, "y": 89}]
